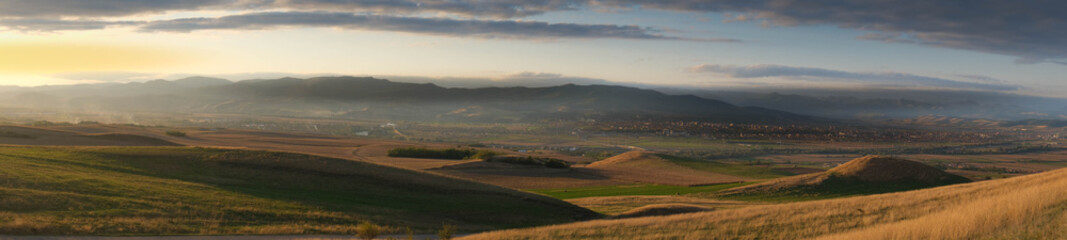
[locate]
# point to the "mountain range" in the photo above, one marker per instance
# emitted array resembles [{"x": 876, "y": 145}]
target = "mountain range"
[
  {"x": 371, "y": 98},
  {"x": 895, "y": 104}
]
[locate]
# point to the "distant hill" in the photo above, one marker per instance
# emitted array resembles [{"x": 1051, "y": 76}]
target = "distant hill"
[
  {"x": 881, "y": 104},
  {"x": 866, "y": 175},
  {"x": 383, "y": 98},
  {"x": 44, "y": 137},
  {"x": 365, "y": 97}
]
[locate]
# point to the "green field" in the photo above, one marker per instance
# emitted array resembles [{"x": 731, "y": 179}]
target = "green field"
[
  {"x": 192, "y": 191},
  {"x": 631, "y": 190},
  {"x": 733, "y": 169}
]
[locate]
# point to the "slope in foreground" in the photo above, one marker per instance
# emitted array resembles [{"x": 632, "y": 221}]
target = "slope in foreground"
[
  {"x": 1024, "y": 207},
  {"x": 177, "y": 190}
]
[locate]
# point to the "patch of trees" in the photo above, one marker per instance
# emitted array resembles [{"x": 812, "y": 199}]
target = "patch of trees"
[
  {"x": 176, "y": 133},
  {"x": 529, "y": 160},
  {"x": 450, "y": 153},
  {"x": 369, "y": 230}
]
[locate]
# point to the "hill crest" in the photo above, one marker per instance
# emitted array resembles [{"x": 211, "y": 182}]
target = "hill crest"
[
  {"x": 890, "y": 169},
  {"x": 865, "y": 175}
]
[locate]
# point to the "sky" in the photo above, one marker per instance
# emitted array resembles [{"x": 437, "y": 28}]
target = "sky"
[{"x": 1003, "y": 46}]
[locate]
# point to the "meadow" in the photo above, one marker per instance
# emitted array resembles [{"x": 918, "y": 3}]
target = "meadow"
[
  {"x": 208, "y": 191},
  {"x": 632, "y": 190},
  {"x": 733, "y": 169},
  {"x": 187, "y": 190},
  {"x": 1024, "y": 207}
]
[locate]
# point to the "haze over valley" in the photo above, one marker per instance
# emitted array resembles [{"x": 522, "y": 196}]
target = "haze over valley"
[{"x": 264, "y": 119}]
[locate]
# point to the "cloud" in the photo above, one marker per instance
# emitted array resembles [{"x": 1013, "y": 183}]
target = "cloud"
[
  {"x": 1032, "y": 30},
  {"x": 476, "y": 18},
  {"x": 432, "y": 26},
  {"x": 499, "y": 9},
  {"x": 99, "y": 8},
  {"x": 50, "y": 25},
  {"x": 819, "y": 74}
]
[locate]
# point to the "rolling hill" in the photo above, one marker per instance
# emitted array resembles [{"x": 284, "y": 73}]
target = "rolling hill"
[
  {"x": 646, "y": 167},
  {"x": 866, "y": 175},
  {"x": 183, "y": 190},
  {"x": 1025, "y": 207},
  {"x": 891, "y": 104},
  {"x": 47, "y": 137}
]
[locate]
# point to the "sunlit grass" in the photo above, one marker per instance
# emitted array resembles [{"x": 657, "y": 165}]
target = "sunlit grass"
[
  {"x": 632, "y": 190},
  {"x": 178, "y": 190},
  {"x": 1024, "y": 207}
]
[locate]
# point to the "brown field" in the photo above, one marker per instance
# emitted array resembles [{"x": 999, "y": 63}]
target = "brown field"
[
  {"x": 618, "y": 204},
  {"x": 645, "y": 167},
  {"x": 526, "y": 178},
  {"x": 374, "y": 151},
  {"x": 867, "y": 172},
  {"x": 13, "y": 135},
  {"x": 1031, "y": 206},
  {"x": 662, "y": 210}
]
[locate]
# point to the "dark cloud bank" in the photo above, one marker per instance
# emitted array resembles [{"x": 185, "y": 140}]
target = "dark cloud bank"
[
  {"x": 819, "y": 74},
  {"x": 1032, "y": 30}
]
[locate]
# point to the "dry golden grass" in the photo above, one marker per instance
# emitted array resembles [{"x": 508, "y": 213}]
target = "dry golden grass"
[
  {"x": 865, "y": 175},
  {"x": 1031, "y": 206},
  {"x": 1031, "y": 162},
  {"x": 662, "y": 210},
  {"x": 618, "y": 204},
  {"x": 49, "y": 137},
  {"x": 187, "y": 190},
  {"x": 361, "y": 149},
  {"x": 640, "y": 166},
  {"x": 540, "y": 178}
]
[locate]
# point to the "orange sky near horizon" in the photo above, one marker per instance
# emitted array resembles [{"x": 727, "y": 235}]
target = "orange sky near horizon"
[{"x": 61, "y": 57}]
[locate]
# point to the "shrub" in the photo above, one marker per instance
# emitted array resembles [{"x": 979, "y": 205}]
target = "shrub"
[
  {"x": 447, "y": 232},
  {"x": 368, "y": 230},
  {"x": 451, "y": 153},
  {"x": 483, "y": 154},
  {"x": 176, "y": 133},
  {"x": 556, "y": 163}
]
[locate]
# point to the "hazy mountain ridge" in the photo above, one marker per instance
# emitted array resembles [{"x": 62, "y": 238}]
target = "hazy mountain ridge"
[
  {"x": 876, "y": 104},
  {"x": 365, "y": 97}
]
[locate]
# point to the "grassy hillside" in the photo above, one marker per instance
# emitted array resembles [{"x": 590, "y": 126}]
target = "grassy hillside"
[
  {"x": 1024, "y": 207},
  {"x": 18, "y": 135},
  {"x": 631, "y": 190},
  {"x": 739, "y": 170},
  {"x": 646, "y": 167},
  {"x": 860, "y": 176},
  {"x": 179, "y": 190}
]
